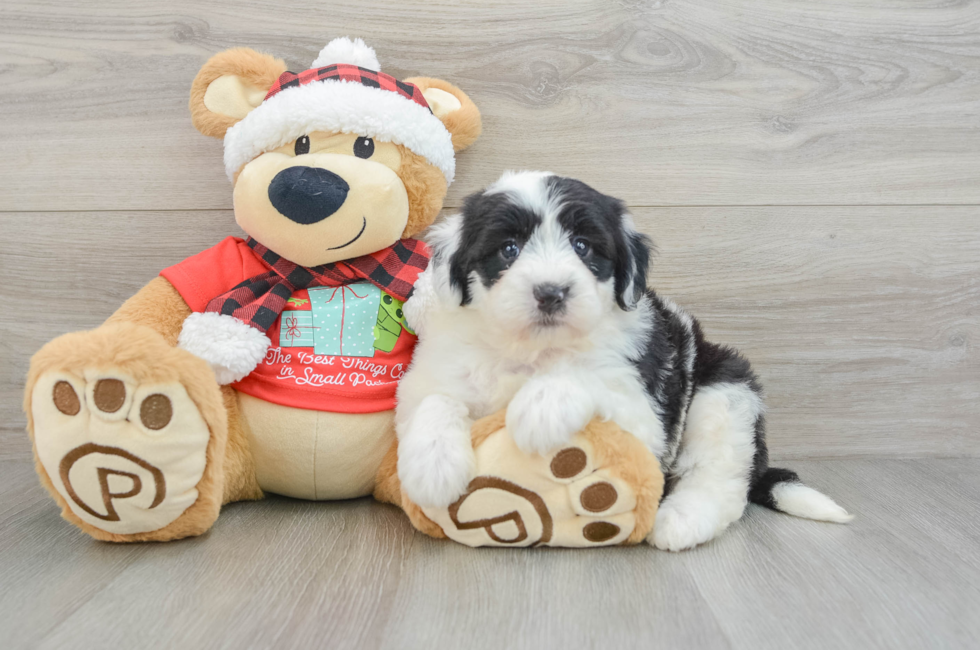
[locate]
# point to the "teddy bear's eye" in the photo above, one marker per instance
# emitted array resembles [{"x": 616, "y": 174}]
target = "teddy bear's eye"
[
  {"x": 387, "y": 300},
  {"x": 399, "y": 313},
  {"x": 364, "y": 147},
  {"x": 302, "y": 145}
]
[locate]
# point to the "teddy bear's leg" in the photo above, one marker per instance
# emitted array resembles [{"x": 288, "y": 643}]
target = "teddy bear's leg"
[
  {"x": 241, "y": 482},
  {"x": 603, "y": 488},
  {"x": 130, "y": 434},
  {"x": 160, "y": 307}
]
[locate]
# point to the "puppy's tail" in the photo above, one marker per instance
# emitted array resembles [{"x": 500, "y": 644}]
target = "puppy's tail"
[{"x": 782, "y": 490}]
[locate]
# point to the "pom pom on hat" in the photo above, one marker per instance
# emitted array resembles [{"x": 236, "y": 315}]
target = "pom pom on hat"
[{"x": 344, "y": 50}]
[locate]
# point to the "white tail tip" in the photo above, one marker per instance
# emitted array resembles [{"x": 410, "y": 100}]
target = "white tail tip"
[{"x": 802, "y": 501}]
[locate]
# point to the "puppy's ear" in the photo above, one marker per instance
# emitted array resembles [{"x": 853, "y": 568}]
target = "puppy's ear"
[
  {"x": 459, "y": 276},
  {"x": 451, "y": 105},
  {"x": 631, "y": 266},
  {"x": 229, "y": 86},
  {"x": 448, "y": 260},
  {"x": 443, "y": 237}
]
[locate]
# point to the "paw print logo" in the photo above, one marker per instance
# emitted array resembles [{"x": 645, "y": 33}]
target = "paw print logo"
[
  {"x": 125, "y": 455},
  {"x": 510, "y": 527},
  {"x": 158, "y": 484}
]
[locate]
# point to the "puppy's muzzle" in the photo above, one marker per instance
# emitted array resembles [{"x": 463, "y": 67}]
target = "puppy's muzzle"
[
  {"x": 307, "y": 195},
  {"x": 551, "y": 298}
]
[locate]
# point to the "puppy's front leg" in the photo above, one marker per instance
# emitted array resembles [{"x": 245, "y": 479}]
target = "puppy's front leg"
[
  {"x": 548, "y": 410},
  {"x": 435, "y": 455}
]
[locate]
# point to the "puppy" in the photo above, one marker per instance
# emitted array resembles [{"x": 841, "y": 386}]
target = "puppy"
[{"x": 536, "y": 300}]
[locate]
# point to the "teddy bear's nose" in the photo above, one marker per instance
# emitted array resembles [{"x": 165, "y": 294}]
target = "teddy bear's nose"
[{"x": 307, "y": 194}]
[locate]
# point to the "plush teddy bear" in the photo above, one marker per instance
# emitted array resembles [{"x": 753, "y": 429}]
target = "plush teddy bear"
[{"x": 270, "y": 364}]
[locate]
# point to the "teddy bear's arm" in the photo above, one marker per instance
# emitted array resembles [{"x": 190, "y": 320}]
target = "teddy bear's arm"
[{"x": 158, "y": 306}]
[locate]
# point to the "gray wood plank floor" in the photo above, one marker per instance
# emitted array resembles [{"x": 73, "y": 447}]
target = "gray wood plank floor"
[
  {"x": 809, "y": 170},
  {"x": 904, "y": 574}
]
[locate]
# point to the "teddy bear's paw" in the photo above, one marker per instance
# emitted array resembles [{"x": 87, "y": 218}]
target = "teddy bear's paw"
[
  {"x": 573, "y": 497},
  {"x": 126, "y": 456}
]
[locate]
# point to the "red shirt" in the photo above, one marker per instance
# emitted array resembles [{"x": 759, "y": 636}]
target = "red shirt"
[{"x": 339, "y": 349}]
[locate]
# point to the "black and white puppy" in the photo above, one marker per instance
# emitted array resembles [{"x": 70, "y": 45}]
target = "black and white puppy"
[{"x": 536, "y": 300}]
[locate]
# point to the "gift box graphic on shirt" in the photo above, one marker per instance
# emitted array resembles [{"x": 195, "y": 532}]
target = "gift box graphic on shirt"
[
  {"x": 296, "y": 329},
  {"x": 340, "y": 322}
]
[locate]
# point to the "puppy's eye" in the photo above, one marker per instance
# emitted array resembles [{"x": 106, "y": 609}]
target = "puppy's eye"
[
  {"x": 302, "y": 145},
  {"x": 364, "y": 147},
  {"x": 510, "y": 250},
  {"x": 581, "y": 246}
]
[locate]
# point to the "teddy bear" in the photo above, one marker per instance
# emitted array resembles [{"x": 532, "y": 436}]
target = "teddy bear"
[{"x": 270, "y": 364}]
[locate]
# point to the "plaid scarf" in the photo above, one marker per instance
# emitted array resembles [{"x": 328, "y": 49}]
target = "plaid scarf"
[{"x": 259, "y": 301}]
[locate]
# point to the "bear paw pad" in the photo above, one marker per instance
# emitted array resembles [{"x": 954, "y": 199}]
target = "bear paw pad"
[
  {"x": 520, "y": 499},
  {"x": 125, "y": 457}
]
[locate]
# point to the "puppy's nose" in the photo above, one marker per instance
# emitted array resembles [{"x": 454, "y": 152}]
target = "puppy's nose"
[
  {"x": 307, "y": 194},
  {"x": 550, "y": 297}
]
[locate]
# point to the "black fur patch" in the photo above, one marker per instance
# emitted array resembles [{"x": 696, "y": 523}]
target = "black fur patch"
[
  {"x": 720, "y": 364},
  {"x": 662, "y": 366},
  {"x": 615, "y": 251},
  {"x": 641, "y": 248},
  {"x": 489, "y": 220}
]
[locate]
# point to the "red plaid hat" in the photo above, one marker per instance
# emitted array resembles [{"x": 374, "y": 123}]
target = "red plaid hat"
[
  {"x": 344, "y": 92},
  {"x": 349, "y": 72}
]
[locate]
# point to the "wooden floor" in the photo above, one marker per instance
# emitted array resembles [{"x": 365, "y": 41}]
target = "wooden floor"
[
  {"x": 295, "y": 574},
  {"x": 811, "y": 173}
]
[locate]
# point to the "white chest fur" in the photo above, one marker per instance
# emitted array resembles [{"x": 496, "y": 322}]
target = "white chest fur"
[{"x": 459, "y": 358}]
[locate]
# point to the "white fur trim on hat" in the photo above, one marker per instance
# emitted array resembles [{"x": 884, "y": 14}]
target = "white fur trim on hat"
[
  {"x": 345, "y": 50},
  {"x": 341, "y": 107},
  {"x": 231, "y": 347}
]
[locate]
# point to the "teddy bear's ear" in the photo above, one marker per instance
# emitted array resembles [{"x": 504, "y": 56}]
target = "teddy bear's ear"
[
  {"x": 229, "y": 86},
  {"x": 451, "y": 105}
]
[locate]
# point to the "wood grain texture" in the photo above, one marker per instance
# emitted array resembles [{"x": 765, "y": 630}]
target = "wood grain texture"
[
  {"x": 862, "y": 322},
  {"x": 663, "y": 103},
  {"x": 353, "y": 574}
]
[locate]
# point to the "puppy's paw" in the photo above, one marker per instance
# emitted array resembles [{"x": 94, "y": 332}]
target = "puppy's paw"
[
  {"x": 435, "y": 459},
  {"x": 435, "y": 472},
  {"x": 683, "y": 524},
  {"x": 546, "y": 412}
]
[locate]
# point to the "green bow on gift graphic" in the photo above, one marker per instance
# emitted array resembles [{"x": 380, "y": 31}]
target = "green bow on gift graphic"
[{"x": 391, "y": 321}]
